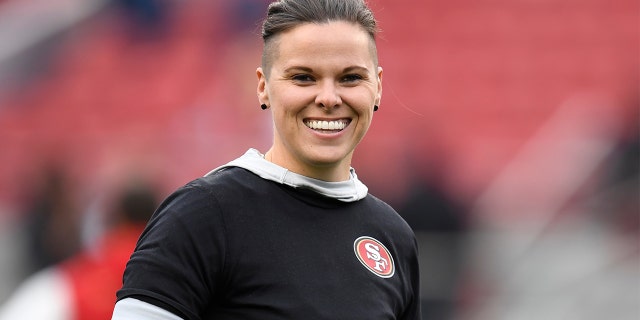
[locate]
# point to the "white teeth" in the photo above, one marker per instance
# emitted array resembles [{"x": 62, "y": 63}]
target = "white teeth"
[{"x": 326, "y": 125}]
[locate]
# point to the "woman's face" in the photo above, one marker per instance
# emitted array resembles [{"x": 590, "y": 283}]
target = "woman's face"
[{"x": 321, "y": 87}]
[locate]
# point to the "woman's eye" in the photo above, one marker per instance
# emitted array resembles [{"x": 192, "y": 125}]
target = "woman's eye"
[
  {"x": 302, "y": 78},
  {"x": 351, "y": 78}
]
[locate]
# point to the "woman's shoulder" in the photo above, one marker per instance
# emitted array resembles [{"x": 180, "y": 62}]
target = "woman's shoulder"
[
  {"x": 228, "y": 178},
  {"x": 204, "y": 192},
  {"x": 380, "y": 204},
  {"x": 203, "y": 202},
  {"x": 387, "y": 214},
  {"x": 224, "y": 186}
]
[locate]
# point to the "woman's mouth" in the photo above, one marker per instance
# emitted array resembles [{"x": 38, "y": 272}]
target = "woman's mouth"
[{"x": 327, "y": 125}]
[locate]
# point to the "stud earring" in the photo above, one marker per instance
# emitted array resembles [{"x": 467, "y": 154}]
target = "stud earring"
[
  {"x": 263, "y": 106},
  {"x": 375, "y": 108}
]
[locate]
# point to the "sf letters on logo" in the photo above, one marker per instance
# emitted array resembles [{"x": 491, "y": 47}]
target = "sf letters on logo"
[{"x": 373, "y": 253}]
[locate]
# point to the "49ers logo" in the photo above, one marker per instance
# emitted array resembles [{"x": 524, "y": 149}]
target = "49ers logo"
[{"x": 374, "y": 256}]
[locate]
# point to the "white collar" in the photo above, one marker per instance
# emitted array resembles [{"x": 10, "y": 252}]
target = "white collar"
[{"x": 347, "y": 191}]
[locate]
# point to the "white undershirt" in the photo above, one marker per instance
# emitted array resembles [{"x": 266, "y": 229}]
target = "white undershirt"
[
  {"x": 347, "y": 191},
  {"x": 134, "y": 309}
]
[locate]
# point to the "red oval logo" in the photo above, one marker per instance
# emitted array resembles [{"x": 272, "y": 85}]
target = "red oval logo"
[{"x": 374, "y": 256}]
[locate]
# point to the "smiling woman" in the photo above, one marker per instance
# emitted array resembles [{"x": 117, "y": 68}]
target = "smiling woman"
[
  {"x": 322, "y": 74},
  {"x": 293, "y": 233}
]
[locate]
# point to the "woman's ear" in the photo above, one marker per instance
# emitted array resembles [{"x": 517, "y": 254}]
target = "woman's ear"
[
  {"x": 379, "y": 96},
  {"x": 263, "y": 96}
]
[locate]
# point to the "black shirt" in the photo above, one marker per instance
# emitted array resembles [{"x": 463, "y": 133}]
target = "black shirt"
[{"x": 233, "y": 245}]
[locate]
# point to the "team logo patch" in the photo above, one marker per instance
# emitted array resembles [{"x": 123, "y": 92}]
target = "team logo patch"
[{"x": 374, "y": 256}]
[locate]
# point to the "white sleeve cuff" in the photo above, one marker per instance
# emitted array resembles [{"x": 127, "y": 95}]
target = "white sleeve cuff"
[{"x": 134, "y": 309}]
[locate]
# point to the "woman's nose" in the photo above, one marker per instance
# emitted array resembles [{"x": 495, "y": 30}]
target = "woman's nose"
[{"x": 328, "y": 95}]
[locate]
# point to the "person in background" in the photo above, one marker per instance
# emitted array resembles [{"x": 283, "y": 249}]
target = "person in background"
[
  {"x": 83, "y": 286},
  {"x": 53, "y": 220},
  {"x": 441, "y": 225},
  {"x": 291, "y": 233}
]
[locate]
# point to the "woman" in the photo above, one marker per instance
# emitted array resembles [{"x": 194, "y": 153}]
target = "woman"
[{"x": 292, "y": 234}]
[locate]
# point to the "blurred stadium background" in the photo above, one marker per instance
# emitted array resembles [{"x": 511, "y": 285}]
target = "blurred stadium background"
[{"x": 507, "y": 136}]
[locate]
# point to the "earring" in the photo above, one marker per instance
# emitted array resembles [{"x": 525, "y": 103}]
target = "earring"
[
  {"x": 375, "y": 108},
  {"x": 263, "y": 106}
]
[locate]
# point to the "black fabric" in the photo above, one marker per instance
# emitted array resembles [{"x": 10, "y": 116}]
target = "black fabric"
[{"x": 235, "y": 246}]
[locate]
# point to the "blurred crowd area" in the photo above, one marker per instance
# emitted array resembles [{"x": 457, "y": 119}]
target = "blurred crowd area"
[{"x": 507, "y": 137}]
